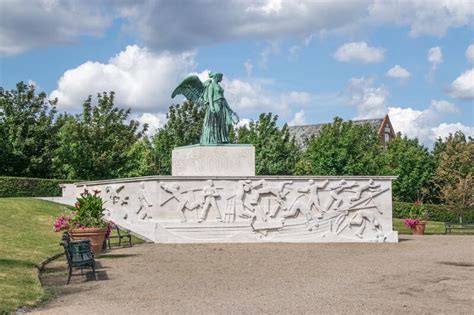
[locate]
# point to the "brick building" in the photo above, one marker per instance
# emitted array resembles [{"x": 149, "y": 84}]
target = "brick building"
[{"x": 382, "y": 125}]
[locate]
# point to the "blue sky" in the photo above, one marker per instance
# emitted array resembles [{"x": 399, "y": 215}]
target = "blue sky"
[{"x": 306, "y": 61}]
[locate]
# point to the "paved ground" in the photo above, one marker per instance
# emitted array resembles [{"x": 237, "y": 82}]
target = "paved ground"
[{"x": 430, "y": 274}]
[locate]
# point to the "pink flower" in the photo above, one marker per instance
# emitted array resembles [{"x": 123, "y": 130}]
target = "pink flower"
[{"x": 411, "y": 222}]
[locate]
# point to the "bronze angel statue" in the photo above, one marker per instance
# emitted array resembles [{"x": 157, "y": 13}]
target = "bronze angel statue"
[{"x": 219, "y": 116}]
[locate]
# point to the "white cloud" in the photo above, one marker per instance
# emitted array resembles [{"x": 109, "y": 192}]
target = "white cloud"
[
  {"x": 234, "y": 20},
  {"x": 398, "y": 72},
  {"x": 189, "y": 24},
  {"x": 370, "y": 100},
  {"x": 243, "y": 122},
  {"x": 298, "y": 119},
  {"x": 463, "y": 86},
  {"x": 142, "y": 80},
  {"x": 470, "y": 53},
  {"x": 424, "y": 124},
  {"x": 248, "y": 68},
  {"x": 154, "y": 121},
  {"x": 359, "y": 51},
  {"x": 273, "y": 19},
  {"x": 423, "y": 17},
  {"x": 33, "y": 83},
  {"x": 293, "y": 52},
  {"x": 254, "y": 97},
  {"x": 444, "y": 129},
  {"x": 435, "y": 57},
  {"x": 46, "y": 23},
  {"x": 444, "y": 107},
  {"x": 272, "y": 49}
]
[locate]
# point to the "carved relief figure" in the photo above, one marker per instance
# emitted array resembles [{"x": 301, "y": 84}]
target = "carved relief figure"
[
  {"x": 183, "y": 203},
  {"x": 362, "y": 217},
  {"x": 210, "y": 194},
  {"x": 277, "y": 190},
  {"x": 334, "y": 195},
  {"x": 303, "y": 207},
  {"x": 114, "y": 193},
  {"x": 143, "y": 202},
  {"x": 245, "y": 210},
  {"x": 371, "y": 186},
  {"x": 311, "y": 192}
]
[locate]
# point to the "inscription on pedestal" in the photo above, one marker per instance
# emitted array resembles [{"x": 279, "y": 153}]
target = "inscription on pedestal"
[{"x": 225, "y": 160}]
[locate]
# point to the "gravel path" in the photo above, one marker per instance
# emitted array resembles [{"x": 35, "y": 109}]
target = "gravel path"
[{"x": 430, "y": 274}]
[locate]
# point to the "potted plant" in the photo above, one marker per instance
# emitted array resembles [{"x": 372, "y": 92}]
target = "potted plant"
[
  {"x": 416, "y": 218},
  {"x": 86, "y": 221}
]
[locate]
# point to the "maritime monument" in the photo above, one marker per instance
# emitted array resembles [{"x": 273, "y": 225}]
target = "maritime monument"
[{"x": 213, "y": 194}]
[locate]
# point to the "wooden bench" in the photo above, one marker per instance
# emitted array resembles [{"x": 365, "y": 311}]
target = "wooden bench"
[
  {"x": 78, "y": 254},
  {"x": 125, "y": 234},
  {"x": 449, "y": 226}
]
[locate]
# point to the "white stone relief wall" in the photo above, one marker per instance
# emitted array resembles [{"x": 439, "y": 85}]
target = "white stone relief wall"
[{"x": 251, "y": 209}]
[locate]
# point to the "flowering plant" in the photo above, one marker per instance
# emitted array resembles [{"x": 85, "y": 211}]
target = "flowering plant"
[
  {"x": 88, "y": 213},
  {"x": 418, "y": 212},
  {"x": 90, "y": 210}
]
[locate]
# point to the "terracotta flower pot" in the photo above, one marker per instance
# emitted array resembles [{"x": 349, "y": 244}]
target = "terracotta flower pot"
[
  {"x": 96, "y": 235},
  {"x": 418, "y": 229}
]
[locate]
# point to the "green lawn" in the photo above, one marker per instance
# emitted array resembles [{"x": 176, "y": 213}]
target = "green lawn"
[{"x": 26, "y": 238}]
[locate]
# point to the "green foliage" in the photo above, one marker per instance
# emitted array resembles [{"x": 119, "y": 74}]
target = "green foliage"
[
  {"x": 89, "y": 210},
  {"x": 96, "y": 143},
  {"x": 343, "y": 148},
  {"x": 276, "y": 152},
  {"x": 455, "y": 172},
  {"x": 413, "y": 165},
  {"x": 417, "y": 211},
  {"x": 139, "y": 159},
  {"x": 29, "y": 187},
  {"x": 27, "y": 132},
  {"x": 183, "y": 127},
  {"x": 434, "y": 212}
]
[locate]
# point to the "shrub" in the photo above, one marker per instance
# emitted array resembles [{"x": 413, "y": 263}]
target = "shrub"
[
  {"x": 30, "y": 187},
  {"x": 435, "y": 212}
]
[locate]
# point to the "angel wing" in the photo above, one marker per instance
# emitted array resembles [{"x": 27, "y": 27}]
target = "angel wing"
[{"x": 192, "y": 88}]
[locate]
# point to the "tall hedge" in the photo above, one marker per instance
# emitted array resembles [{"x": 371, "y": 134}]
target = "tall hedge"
[
  {"x": 435, "y": 212},
  {"x": 30, "y": 187}
]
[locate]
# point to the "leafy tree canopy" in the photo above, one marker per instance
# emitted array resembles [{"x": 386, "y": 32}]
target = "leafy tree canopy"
[
  {"x": 343, "y": 148},
  {"x": 414, "y": 166},
  {"x": 27, "y": 132},
  {"x": 96, "y": 143},
  {"x": 454, "y": 172},
  {"x": 276, "y": 152},
  {"x": 182, "y": 128}
]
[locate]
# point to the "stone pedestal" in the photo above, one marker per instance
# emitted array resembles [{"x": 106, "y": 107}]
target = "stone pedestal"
[{"x": 214, "y": 160}]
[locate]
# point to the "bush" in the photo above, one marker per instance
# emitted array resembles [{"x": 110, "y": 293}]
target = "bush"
[
  {"x": 435, "y": 212},
  {"x": 30, "y": 187}
]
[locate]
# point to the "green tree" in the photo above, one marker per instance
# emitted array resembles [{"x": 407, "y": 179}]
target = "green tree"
[
  {"x": 27, "y": 132},
  {"x": 276, "y": 152},
  {"x": 96, "y": 143},
  {"x": 343, "y": 148},
  {"x": 454, "y": 172},
  {"x": 414, "y": 166},
  {"x": 183, "y": 127},
  {"x": 139, "y": 160}
]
